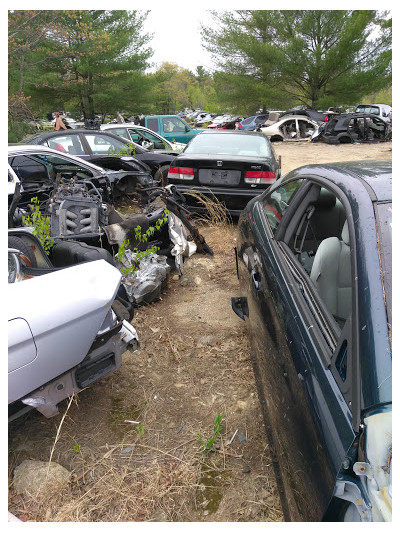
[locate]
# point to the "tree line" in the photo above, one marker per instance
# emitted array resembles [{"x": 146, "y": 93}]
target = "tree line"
[{"x": 97, "y": 62}]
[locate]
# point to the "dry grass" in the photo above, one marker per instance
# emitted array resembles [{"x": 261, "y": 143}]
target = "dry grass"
[
  {"x": 178, "y": 383},
  {"x": 217, "y": 220}
]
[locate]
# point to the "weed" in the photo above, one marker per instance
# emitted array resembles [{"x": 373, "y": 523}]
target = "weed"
[
  {"x": 208, "y": 443},
  {"x": 41, "y": 226},
  {"x": 77, "y": 447},
  {"x": 141, "y": 237}
]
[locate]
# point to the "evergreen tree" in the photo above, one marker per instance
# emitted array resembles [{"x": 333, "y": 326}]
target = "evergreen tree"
[
  {"x": 316, "y": 58},
  {"x": 87, "y": 59}
]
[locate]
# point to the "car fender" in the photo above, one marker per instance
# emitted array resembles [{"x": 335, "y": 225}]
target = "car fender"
[{"x": 54, "y": 319}]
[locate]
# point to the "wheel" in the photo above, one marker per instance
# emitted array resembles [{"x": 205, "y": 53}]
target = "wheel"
[
  {"x": 161, "y": 175},
  {"x": 19, "y": 244}
]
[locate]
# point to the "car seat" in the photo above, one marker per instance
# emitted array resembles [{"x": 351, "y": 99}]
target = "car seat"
[{"x": 331, "y": 273}]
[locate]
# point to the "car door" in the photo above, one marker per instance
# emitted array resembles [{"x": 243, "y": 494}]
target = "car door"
[{"x": 294, "y": 341}]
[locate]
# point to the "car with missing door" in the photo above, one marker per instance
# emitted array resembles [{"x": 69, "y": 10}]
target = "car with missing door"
[
  {"x": 314, "y": 264},
  {"x": 228, "y": 165}
]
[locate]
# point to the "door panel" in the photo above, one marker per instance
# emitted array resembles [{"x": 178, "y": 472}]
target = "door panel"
[{"x": 301, "y": 402}]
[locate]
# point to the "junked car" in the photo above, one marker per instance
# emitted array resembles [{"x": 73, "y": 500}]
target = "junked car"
[
  {"x": 290, "y": 128},
  {"x": 383, "y": 111},
  {"x": 144, "y": 137},
  {"x": 353, "y": 127},
  {"x": 228, "y": 165},
  {"x": 105, "y": 149},
  {"x": 314, "y": 264},
  {"x": 253, "y": 122},
  {"x": 38, "y": 167},
  {"x": 65, "y": 326}
]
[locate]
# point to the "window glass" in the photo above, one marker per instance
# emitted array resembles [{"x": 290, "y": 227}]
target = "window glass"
[
  {"x": 45, "y": 167},
  {"x": 101, "y": 144},
  {"x": 152, "y": 124},
  {"x": 173, "y": 125},
  {"x": 247, "y": 121},
  {"x": 230, "y": 144},
  {"x": 122, "y": 132},
  {"x": 138, "y": 135},
  {"x": 70, "y": 144},
  {"x": 276, "y": 203}
]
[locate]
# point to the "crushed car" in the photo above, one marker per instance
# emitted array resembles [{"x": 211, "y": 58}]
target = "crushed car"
[
  {"x": 353, "y": 128},
  {"x": 67, "y": 327}
]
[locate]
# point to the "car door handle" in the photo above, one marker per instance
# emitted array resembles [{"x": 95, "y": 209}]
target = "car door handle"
[{"x": 256, "y": 279}]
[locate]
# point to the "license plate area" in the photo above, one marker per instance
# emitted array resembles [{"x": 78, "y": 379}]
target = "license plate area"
[{"x": 219, "y": 177}]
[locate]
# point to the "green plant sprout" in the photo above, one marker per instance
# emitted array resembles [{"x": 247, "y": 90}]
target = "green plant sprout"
[
  {"x": 208, "y": 443},
  {"x": 41, "y": 225},
  {"x": 141, "y": 237}
]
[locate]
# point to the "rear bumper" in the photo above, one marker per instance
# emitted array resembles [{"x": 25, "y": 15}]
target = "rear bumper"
[{"x": 235, "y": 200}]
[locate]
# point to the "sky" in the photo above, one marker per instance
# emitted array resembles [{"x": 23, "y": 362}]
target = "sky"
[{"x": 177, "y": 37}]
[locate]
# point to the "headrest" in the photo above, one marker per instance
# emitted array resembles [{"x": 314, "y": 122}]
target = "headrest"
[
  {"x": 325, "y": 200},
  {"x": 345, "y": 234}
]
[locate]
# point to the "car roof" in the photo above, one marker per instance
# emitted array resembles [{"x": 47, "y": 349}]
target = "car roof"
[{"x": 376, "y": 175}]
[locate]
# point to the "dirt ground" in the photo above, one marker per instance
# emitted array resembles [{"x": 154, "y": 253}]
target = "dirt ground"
[{"x": 133, "y": 440}]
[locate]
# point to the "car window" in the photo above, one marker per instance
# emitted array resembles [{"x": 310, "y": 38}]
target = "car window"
[
  {"x": 122, "y": 132},
  {"x": 276, "y": 203},
  {"x": 247, "y": 121},
  {"x": 173, "y": 125},
  {"x": 70, "y": 144},
  {"x": 230, "y": 144},
  {"x": 45, "y": 167},
  {"x": 101, "y": 144},
  {"x": 320, "y": 241},
  {"x": 138, "y": 135},
  {"x": 152, "y": 124},
  {"x": 261, "y": 119}
]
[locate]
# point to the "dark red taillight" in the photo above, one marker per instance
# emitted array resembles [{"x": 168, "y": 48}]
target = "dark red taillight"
[
  {"x": 180, "y": 173},
  {"x": 258, "y": 176}
]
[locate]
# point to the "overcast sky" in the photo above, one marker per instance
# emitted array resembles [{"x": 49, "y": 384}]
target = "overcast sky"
[{"x": 177, "y": 37}]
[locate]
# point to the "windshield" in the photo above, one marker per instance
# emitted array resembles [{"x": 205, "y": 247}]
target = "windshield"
[
  {"x": 384, "y": 222},
  {"x": 238, "y": 144}
]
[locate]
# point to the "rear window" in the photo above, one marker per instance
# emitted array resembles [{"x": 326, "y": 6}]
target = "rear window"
[
  {"x": 238, "y": 144},
  {"x": 247, "y": 121},
  {"x": 373, "y": 110}
]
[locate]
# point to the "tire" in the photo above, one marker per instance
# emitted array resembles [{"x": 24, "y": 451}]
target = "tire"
[
  {"x": 161, "y": 175},
  {"x": 25, "y": 249}
]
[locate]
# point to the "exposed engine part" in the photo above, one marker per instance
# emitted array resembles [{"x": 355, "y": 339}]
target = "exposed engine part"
[{"x": 77, "y": 209}]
